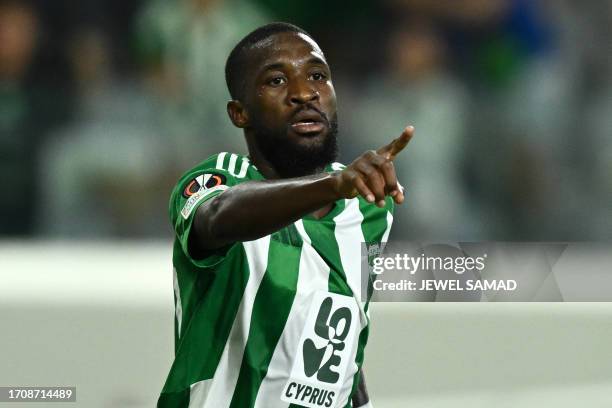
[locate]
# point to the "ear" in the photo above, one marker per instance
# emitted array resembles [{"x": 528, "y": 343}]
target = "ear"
[{"x": 238, "y": 114}]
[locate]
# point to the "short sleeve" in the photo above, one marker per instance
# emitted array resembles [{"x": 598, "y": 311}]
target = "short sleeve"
[{"x": 196, "y": 187}]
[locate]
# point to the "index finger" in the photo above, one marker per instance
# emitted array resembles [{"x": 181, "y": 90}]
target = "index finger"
[{"x": 397, "y": 145}]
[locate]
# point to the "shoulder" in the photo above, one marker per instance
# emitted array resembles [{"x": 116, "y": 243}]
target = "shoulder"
[
  {"x": 220, "y": 161},
  {"x": 229, "y": 167},
  {"x": 219, "y": 171},
  {"x": 208, "y": 179}
]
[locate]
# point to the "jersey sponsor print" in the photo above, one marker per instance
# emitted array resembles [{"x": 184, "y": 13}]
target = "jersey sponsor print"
[{"x": 324, "y": 352}]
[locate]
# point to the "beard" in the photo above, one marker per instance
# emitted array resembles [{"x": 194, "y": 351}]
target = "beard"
[{"x": 291, "y": 159}]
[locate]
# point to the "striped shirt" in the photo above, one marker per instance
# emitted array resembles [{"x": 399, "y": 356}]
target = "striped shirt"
[{"x": 279, "y": 321}]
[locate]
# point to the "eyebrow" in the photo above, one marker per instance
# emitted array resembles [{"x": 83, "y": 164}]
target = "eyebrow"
[
  {"x": 280, "y": 65},
  {"x": 273, "y": 66}
]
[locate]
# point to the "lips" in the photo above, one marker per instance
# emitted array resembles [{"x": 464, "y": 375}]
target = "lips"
[
  {"x": 308, "y": 127},
  {"x": 308, "y": 122}
]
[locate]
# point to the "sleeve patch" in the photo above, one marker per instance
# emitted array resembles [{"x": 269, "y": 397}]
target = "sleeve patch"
[
  {"x": 198, "y": 197},
  {"x": 203, "y": 182}
]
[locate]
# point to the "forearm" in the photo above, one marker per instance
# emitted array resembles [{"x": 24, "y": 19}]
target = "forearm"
[{"x": 255, "y": 209}]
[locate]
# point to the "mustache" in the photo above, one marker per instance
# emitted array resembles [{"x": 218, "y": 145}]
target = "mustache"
[{"x": 310, "y": 107}]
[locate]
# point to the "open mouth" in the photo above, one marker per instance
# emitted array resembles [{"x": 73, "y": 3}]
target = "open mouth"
[
  {"x": 308, "y": 122},
  {"x": 307, "y": 126}
]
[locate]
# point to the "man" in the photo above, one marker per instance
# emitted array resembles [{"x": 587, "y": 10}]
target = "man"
[{"x": 269, "y": 309}]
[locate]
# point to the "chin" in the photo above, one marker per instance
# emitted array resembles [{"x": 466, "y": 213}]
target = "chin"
[{"x": 309, "y": 139}]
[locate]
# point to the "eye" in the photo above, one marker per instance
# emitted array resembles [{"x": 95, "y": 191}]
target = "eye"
[
  {"x": 277, "y": 81},
  {"x": 318, "y": 76}
]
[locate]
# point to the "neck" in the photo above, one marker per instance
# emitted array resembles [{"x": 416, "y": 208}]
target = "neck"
[
  {"x": 258, "y": 159},
  {"x": 265, "y": 166}
]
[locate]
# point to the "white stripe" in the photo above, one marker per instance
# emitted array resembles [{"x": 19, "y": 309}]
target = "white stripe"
[
  {"x": 313, "y": 276},
  {"x": 349, "y": 237},
  {"x": 385, "y": 236},
  {"x": 178, "y": 307},
  {"x": 244, "y": 168},
  {"x": 220, "y": 159},
  {"x": 338, "y": 166},
  {"x": 232, "y": 166},
  {"x": 220, "y": 392},
  {"x": 299, "y": 225},
  {"x": 205, "y": 179},
  {"x": 198, "y": 392}
]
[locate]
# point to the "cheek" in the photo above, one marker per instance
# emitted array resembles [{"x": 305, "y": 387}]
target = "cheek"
[
  {"x": 270, "y": 108},
  {"x": 328, "y": 94}
]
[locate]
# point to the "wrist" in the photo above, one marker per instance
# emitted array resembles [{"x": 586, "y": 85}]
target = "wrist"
[{"x": 334, "y": 181}]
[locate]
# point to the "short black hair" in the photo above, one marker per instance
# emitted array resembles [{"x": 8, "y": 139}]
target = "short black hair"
[{"x": 236, "y": 65}]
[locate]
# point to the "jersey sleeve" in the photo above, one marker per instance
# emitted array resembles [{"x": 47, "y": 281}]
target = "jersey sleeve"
[{"x": 195, "y": 188}]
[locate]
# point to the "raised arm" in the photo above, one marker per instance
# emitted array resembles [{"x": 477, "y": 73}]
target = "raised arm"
[{"x": 254, "y": 209}]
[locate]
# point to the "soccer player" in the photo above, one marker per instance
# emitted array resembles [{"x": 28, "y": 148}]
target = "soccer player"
[{"x": 267, "y": 255}]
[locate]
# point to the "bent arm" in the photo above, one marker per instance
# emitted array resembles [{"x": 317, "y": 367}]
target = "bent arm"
[{"x": 254, "y": 209}]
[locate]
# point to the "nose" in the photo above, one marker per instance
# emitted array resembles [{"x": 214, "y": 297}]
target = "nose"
[{"x": 302, "y": 92}]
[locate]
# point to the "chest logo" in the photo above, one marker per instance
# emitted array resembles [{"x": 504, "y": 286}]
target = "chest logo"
[
  {"x": 324, "y": 363},
  {"x": 332, "y": 329}
]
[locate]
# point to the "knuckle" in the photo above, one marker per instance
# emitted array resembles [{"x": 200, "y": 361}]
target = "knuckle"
[
  {"x": 367, "y": 170},
  {"x": 378, "y": 175},
  {"x": 370, "y": 154}
]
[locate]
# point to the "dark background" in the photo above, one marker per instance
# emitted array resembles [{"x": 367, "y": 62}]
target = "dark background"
[{"x": 103, "y": 104}]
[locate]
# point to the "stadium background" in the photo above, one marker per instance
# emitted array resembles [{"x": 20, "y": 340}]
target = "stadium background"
[{"x": 104, "y": 103}]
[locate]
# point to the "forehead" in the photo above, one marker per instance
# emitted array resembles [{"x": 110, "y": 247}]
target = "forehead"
[{"x": 285, "y": 48}]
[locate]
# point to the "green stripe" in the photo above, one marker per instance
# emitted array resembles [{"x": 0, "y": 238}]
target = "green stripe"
[
  {"x": 322, "y": 235},
  {"x": 374, "y": 222},
  {"x": 270, "y": 312},
  {"x": 204, "y": 338},
  {"x": 363, "y": 339},
  {"x": 193, "y": 284},
  {"x": 174, "y": 400},
  {"x": 176, "y": 326}
]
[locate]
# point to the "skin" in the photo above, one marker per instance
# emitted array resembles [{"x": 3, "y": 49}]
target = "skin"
[{"x": 290, "y": 74}]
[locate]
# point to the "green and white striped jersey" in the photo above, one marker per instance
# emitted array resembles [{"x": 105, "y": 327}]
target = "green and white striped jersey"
[{"x": 274, "y": 322}]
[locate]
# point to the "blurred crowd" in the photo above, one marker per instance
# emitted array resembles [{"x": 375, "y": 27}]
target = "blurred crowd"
[{"x": 103, "y": 104}]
